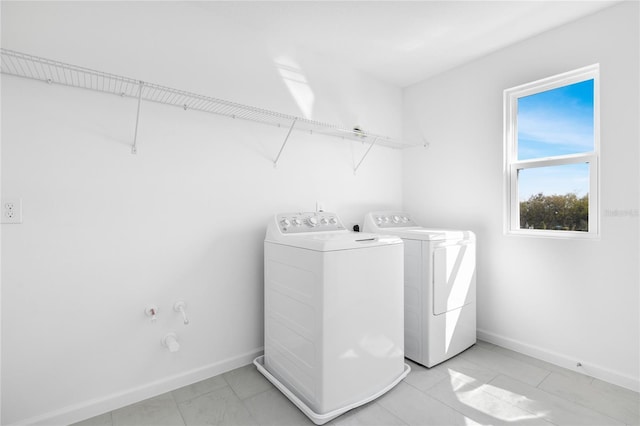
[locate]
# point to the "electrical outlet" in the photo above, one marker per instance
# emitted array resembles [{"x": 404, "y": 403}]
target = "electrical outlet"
[{"x": 11, "y": 210}]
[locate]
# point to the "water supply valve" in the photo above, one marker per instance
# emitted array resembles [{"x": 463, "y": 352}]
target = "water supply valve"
[
  {"x": 152, "y": 311},
  {"x": 180, "y": 306},
  {"x": 170, "y": 341}
]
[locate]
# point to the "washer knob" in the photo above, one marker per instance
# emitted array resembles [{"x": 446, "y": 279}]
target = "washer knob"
[
  {"x": 324, "y": 221},
  {"x": 396, "y": 219},
  {"x": 297, "y": 222},
  {"x": 378, "y": 220},
  {"x": 285, "y": 222},
  {"x": 333, "y": 220},
  {"x": 312, "y": 221}
]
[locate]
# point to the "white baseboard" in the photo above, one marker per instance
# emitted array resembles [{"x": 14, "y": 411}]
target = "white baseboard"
[
  {"x": 563, "y": 360},
  {"x": 97, "y": 406}
]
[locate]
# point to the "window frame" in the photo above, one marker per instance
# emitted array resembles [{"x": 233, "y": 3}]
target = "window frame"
[{"x": 512, "y": 165}]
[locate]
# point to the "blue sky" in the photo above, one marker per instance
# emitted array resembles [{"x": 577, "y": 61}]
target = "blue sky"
[
  {"x": 570, "y": 178},
  {"x": 556, "y": 122}
]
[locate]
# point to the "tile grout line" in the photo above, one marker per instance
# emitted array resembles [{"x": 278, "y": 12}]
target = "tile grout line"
[
  {"x": 525, "y": 407},
  {"x": 574, "y": 401},
  {"x": 499, "y": 350},
  {"x": 173, "y": 398},
  {"x": 430, "y": 387},
  {"x": 246, "y": 407},
  {"x": 243, "y": 401},
  {"x": 578, "y": 403},
  {"x": 440, "y": 401},
  {"x": 454, "y": 408},
  {"x": 585, "y": 405},
  {"x": 499, "y": 372},
  {"x": 383, "y": 408},
  {"x": 542, "y": 381},
  {"x": 515, "y": 405},
  {"x": 569, "y": 397}
]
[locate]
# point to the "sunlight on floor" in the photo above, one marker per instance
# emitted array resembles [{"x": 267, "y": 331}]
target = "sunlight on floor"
[{"x": 482, "y": 397}]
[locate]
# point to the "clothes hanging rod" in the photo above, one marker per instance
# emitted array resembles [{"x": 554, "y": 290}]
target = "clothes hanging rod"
[{"x": 50, "y": 71}]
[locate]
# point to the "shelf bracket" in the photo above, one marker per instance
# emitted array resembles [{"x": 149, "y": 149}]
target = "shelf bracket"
[
  {"x": 275, "y": 162},
  {"x": 134, "y": 147},
  {"x": 365, "y": 155}
]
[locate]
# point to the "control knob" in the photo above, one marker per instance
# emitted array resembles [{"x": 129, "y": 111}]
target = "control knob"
[
  {"x": 285, "y": 223},
  {"x": 312, "y": 221},
  {"x": 396, "y": 219},
  {"x": 333, "y": 220},
  {"x": 324, "y": 221},
  {"x": 297, "y": 222}
]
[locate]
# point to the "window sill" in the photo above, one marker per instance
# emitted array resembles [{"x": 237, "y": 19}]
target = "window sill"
[{"x": 558, "y": 235}]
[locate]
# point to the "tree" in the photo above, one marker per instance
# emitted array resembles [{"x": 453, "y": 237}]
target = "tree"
[{"x": 556, "y": 212}]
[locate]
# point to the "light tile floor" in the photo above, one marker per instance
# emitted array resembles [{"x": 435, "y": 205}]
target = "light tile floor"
[{"x": 486, "y": 384}]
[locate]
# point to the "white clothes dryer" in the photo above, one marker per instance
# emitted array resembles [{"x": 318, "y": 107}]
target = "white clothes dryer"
[
  {"x": 439, "y": 286},
  {"x": 333, "y": 313}
]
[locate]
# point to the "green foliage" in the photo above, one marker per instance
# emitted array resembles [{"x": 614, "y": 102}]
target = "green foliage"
[{"x": 556, "y": 212}]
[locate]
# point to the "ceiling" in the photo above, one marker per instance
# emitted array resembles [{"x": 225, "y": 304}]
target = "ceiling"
[{"x": 401, "y": 42}]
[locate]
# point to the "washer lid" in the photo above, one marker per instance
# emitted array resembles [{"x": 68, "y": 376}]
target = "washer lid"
[
  {"x": 402, "y": 225},
  {"x": 338, "y": 240},
  {"x": 320, "y": 232}
]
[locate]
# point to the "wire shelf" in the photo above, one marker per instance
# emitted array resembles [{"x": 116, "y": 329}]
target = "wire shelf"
[{"x": 50, "y": 71}]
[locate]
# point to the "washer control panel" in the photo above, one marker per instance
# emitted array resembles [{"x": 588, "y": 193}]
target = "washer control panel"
[
  {"x": 292, "y": 223},
  {"x": 392, "y": 220}
]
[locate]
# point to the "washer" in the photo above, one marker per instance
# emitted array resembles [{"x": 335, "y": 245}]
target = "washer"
[
  {"x": 333, "y": 313},
  {"x": 440, "y": 287}
]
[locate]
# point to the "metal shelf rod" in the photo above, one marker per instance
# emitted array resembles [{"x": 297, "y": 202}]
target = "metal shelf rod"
[
  {"x": 42, "y": 69},
  {"x": 365, "y": 155},
  {"x": 275, "y": 162},
  {"x": 134, "y": 147}
]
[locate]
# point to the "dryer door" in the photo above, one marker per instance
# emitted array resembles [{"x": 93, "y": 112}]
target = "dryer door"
[{"x": 454, "y": 267}]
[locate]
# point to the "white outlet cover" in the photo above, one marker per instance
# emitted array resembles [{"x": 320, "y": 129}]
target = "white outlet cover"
[{"x": 11, "y": 209}]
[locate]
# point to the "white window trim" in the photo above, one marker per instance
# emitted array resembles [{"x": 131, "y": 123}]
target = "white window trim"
[{"x": 512, "y": 165}]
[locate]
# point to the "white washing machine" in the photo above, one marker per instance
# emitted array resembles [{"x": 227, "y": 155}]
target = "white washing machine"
[
  {"x": 439, "y": 286},
  {"x": 333, "y": 313}
]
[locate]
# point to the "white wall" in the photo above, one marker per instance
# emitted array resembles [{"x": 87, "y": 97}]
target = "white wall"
[
  {"x": 106, "y": 233},
  {"x": 564, "y": 301}
]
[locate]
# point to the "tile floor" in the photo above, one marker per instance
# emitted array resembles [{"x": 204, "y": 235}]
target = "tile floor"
[{"x": 486, "y": 384}]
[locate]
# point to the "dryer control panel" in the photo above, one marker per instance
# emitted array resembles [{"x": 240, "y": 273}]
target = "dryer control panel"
[
  {"x": 292, "y": 223},
  {"x": 391, "y": 220}
]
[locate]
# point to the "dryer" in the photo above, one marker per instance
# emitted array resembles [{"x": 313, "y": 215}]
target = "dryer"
[
  {"x": 439, "y": 285},
  {"x": 333, "y": 313}
]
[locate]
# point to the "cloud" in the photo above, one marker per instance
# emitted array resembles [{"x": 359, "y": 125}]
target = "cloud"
[{"x": 557, "y": 121}]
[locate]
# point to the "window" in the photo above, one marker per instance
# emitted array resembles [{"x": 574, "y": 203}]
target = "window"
[{"x": 551, "y": 146}]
